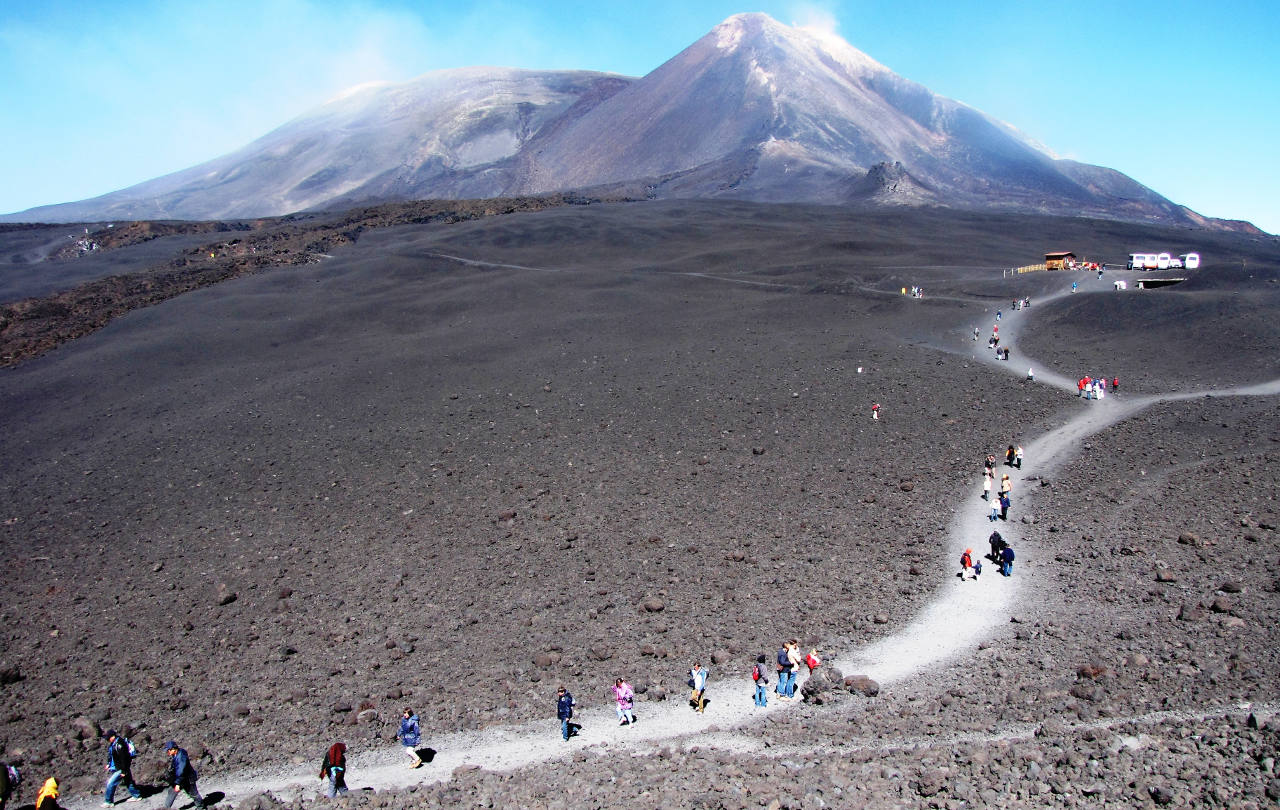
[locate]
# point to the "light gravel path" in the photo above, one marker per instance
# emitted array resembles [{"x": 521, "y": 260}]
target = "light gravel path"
[{"x": 962, "y": 615}]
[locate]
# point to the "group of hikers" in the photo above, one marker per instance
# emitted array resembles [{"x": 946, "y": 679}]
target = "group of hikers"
[
  {"x": 1096, "y": 387},
  {"x": 789, "y": 660},
  {"x": 1001, "y": 553},
  {"x": 180, "y": 776},
  {"x": 1004, "y": 492}
]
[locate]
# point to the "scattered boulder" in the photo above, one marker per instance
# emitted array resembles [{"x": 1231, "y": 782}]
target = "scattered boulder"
[
  {"x": 1190, "y": 613},
  {"x": 1231, "y": 586},
  {"x": 546, "y": 659},
  {"x": 1165, "y": 575},
  {"x": 84, "y": 728},
  {"x": 653, "y": 605},
  {"x": 1160, "y": 794},
  {"x": 9, "y": 673},
  {"x": 822, "y": 685},
  {"x": 861, "y": 684},
  {"x": 224, "y": 595}
]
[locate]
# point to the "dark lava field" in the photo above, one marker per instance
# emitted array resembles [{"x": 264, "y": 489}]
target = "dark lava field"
[{"x": 454, "y": 461}]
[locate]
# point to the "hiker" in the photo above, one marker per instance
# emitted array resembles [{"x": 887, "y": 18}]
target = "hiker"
[
  {"x": 334, "y": 768},
  {"x": 995, "y": 511},
  {"x": 626, "y": 697},
  {"x": 761, "y": 679},
  {"x": 1005, "y": 503},
  {"x": 998, "y": 314},
  {"x": 120, "y": 754},
  {"x": 564, "y": 711},
  {"x": 1006, "y": 486},
  {"x": 966, "y": 565},
  {"x": 47, "y": 798},
  {"x": 698, "y": 685},
  {"x": 181, "y": 776},
  {"x": 1080, "y": 387},
  {"x": 1017, "y": 457},
  {"x": 784, "y": 672},
  {"x": 10, "y": 778},
  {"x": 795, "y": 660},
  {"x": 975, "y": 333},
  {"x": 1008, "y": 458},
  {"x": 1115, "y": 384},
  {"x": 1073, "y": 286},
  {"x": 990, "y": 463},
  {"x": 812, "y": 660},
  {"x": 410, "y": 734},
  {"x": 1031, "y": 375},
  {"x": 997, "y": 545},
  {"x": 986, "y": 485},
  {"x": 1006, "y": 561},
  {"x": 875, "y": 410}
]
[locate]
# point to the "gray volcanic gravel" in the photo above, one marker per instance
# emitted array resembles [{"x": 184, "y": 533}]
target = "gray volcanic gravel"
[{"x": 267, "y": 514}]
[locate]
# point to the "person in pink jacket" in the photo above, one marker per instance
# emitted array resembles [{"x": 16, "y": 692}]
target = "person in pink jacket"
[{"x": 626, "y": 697}]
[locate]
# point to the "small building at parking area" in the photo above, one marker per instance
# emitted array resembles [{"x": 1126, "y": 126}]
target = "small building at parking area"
[{"x": 1059, "y": 261}]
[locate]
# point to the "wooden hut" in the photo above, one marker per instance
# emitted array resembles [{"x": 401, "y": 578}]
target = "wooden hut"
[{"x": 1059, "y": 261}]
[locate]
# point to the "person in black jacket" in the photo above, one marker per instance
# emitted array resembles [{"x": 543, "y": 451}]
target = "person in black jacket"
[
  {"x": 334, "y": 768},
  {"x": 564, "y": 711},
  {"x": 120, "y": 754},
  {"x": 181, "y": 777}
]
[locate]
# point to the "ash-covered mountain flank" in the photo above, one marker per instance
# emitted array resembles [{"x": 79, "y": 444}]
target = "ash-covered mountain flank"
[{"x": 755, "y": 110}]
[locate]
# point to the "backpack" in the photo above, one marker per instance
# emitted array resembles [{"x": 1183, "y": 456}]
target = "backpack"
[
  {"x": 813, "y": 661},
  {"x": 756, "y": 673}
]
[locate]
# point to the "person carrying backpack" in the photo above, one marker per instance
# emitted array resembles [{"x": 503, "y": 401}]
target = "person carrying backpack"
[
  {"x": 761, "y": 680},
  {"x": 812, "y": 660},
  {"x": 120, "y": 754},
  {"x": 1006, "y": 561},
  {"x": 334, "y": 768},
  {"x": 9, "y": 781}
]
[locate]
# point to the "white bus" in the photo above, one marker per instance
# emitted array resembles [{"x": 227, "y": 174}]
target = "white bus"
[
  {"x": 1191, "y": 261},
  {"x": 1145, "y": 261}
]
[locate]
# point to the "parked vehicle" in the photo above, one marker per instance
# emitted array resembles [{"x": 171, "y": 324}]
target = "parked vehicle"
[
  {"x": 1144, "y": 261},
  {"x": 1191, "y": 261},
  {"x": 1162, "y": 261}
]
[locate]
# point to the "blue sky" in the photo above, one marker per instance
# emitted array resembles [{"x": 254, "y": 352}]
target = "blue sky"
[{"x": 1182, "y": 96}]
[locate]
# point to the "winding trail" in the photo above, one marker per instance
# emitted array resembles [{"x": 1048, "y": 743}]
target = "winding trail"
[{"x": 930, "y": 640}]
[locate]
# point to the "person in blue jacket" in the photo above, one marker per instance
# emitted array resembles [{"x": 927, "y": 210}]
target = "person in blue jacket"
[
  {"x": 1006, "y": 561},
  {"x": 181, "y": 777},
  {"x": 564, "y": 711},
  {"x": 410, "y": 734}
]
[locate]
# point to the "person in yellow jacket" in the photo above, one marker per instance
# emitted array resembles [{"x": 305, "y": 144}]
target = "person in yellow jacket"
[{"x": 48, "y": 798}]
